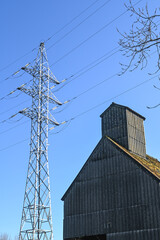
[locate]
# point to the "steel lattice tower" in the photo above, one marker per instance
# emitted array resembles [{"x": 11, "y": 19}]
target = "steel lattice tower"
[{"x": 36, "y": 222}]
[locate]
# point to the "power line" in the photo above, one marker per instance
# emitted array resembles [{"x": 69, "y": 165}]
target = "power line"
[
  {"x": 9, "y": 118},
  {"x": 72, "y": 20},
  {"x": 15, "y": 121},
  {"x": 89, "y": 89},
  {"x": 108, "y": 100},
  {"x": 98, "y": 84},
  {"x": 16, "y": 60},
  {"x": 67, "y": 24},
  {"x": 24, "y": 140},
  {"x": 9, "y": 129},
  {"x": 60, "y": 31},
  {"x": 77, "y": 45},
  {"x": 100, "y": 59},
  {"x": 71, "y": 100},
  {"x": 91, "y": 36},
  {"x": 94, "y": 107},
  {"x": 77, "y": 96},
  {"x": 71, "y": 77},
  {"x": 128, "y": 90},
  {"x": 81, "y": 72},
  {"x": 13, "y": 74},
  {"x": 65, "y": 126},
  {"x": 14, "y": 107},
  {"x": 7, "y": 95},
  {"x": 7, "y": 78},
  {"x": 90, "y": 15},
  {"x": 65, "y": 79}
]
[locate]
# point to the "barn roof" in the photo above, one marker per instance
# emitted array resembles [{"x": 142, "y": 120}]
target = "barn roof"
[
  {"x": 149, "y": 163},
  {"x": 121, "y": 106}
]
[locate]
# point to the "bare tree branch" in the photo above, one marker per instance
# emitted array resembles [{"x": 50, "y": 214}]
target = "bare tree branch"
[{"x": 143, "y": 36}]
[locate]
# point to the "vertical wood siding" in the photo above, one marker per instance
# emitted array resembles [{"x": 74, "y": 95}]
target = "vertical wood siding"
[
  {"x": 126, "y": 128},
  {"x": 113, "y": 195},
  {"x": 136, "y": 138},
  {"x": 114, "y": 125}
]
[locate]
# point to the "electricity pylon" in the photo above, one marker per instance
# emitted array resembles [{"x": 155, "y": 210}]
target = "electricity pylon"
[{"x": 36, "y": 222}]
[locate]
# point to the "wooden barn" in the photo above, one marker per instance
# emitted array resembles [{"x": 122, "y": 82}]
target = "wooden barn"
[{"x": 116, "y": 194}]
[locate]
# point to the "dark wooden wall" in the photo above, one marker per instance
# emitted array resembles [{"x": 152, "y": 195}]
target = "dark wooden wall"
[
  {"x": 112, "y": 195},
  {"x": 136, "y": 137},
  {"x": 125, "y": 127},
  {"x": 114, "y": 125}
]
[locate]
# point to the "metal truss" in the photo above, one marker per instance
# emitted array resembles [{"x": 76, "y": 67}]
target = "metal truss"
[{"x": 36, "y": 222}]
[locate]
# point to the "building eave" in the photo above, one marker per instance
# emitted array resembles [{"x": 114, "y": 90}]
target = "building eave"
[{"x": 150, "y": 167}]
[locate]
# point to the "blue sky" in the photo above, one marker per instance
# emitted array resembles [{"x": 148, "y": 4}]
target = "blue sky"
[{"x": 24, "y": 24}]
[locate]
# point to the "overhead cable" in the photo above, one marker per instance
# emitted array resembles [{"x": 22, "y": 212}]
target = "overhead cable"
[
  {"x": 92, "y": 35},
  {"x": 9, "y": 94},
  {"x": 90, "y": 109},
  {"x": 67, "y": 24},
  {"x": 108, "y": 100},
  {"x": 9, "y": 129},
  {"x": 72, "y": 20},
  {"x": 79, "y": 24},
  {"x": 24, "y": 140},
  {"x": 14, "y": 107},
  {"x": 15, "y": 73},
  {"x": 16, "y": 60},
  {"x": 85, "y": 69}
]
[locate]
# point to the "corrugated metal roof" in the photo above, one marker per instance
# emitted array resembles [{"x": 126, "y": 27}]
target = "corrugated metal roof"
[{"x": 149, "y": 163}]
